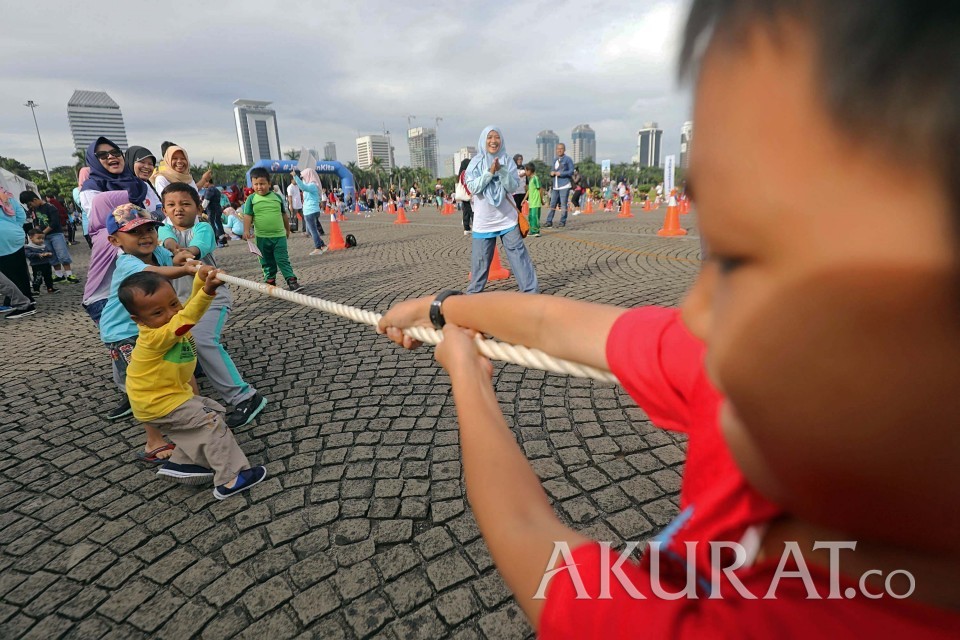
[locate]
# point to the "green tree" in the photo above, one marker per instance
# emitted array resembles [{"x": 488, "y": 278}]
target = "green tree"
[{"x": 291, "y": 154}]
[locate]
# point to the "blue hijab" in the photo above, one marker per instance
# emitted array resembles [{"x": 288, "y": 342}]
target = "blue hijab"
[
  {"x": 102, "y": 180},
  {"x": 494, "y": 191}
]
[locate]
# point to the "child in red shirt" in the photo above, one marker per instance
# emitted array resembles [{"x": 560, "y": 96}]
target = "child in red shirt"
[{"x": 815, "y": 366}]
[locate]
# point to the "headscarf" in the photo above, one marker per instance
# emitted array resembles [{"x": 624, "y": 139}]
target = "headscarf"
[
  {"x": 482, "y": 162},
  {"x": 167, "y": 170},
  {"x": 103, "y": 255},
  {"x": 5, "y": 202},
  {"x": 310, "y": 176},
  {"x": 102, "y": 180},
  {"x": 135, "y": 153}
]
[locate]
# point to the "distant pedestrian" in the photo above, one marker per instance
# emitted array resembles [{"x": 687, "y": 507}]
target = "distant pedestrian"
[
  {"x": 492, "y": 179},
  {"x": 561, "y": 174}
]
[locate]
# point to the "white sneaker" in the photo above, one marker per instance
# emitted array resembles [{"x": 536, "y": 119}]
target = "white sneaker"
[
  {"x": 466, "y": 233},
  {"x": 316, "y": 252},
  {"x": 577, "y": 212}
]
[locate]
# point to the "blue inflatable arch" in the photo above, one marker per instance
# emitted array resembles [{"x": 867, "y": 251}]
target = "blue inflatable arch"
[{"x": 325, "y": 166}]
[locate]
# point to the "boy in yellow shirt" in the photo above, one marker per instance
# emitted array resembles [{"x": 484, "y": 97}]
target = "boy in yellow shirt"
[{"x": 159, "y": 384}]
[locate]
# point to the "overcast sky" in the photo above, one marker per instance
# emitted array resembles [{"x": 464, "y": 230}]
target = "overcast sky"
[{"x": 336, "y": 69}]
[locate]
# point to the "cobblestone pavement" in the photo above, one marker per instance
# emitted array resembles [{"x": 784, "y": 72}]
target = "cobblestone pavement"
[{"x": 362, "y": 528}]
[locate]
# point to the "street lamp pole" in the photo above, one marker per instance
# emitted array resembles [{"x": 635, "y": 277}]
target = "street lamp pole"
[{"x": 33, "y": 105}]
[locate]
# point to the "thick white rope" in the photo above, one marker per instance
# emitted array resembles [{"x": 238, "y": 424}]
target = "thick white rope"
[{"x": 516, "y": 354}]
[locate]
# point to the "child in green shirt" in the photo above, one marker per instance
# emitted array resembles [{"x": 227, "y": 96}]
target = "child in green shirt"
[
  {"x": 267, "y": 211},
  {"x": 533, "y": 198}
]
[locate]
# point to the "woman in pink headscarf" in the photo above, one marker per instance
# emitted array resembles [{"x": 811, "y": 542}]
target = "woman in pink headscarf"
[
  {"x": 103, "y": 255},
  {"x": 84, "y": 214}
]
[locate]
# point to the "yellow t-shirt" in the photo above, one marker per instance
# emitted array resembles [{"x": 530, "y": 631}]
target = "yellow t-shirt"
[{"x": 162, "y": 363}]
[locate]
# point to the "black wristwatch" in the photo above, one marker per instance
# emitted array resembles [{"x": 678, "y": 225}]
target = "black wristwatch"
[{"x": 436, "y": 316}]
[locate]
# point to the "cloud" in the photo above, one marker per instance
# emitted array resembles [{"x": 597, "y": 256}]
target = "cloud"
[{"x": 337, "y": 69}]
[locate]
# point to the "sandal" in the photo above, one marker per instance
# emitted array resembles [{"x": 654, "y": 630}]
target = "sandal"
[{"x": 150, "y": 457}]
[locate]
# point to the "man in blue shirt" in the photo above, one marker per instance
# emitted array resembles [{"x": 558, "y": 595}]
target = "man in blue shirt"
[{"x": 562, "y": 172}]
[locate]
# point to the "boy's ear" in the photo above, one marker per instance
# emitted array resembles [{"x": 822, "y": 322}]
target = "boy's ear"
[{"x": 114, "y": 240}]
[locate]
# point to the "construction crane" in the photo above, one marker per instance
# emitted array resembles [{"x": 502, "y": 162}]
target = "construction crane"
[{"x": 409, "y": 123}]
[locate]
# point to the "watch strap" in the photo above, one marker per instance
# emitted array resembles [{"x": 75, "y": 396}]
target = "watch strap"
[{"x": 436, "y": 314}]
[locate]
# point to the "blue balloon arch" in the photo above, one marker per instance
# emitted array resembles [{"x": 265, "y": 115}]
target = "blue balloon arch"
[{"x": 325, "y": 166}]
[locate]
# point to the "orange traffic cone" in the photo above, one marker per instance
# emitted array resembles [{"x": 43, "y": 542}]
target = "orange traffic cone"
[
  {"x": 336, "y": 237},
  {"x": 356, "y": 207},
  {"x": 392, "y": 210},
  {"x": 497, "y": 270},
  {"x": 646, "y": 205},
  {"x": 671, "y": 222},
  {"x": 589, "y": 208},
  {"x": 625, "y": 210},
  {"x": 401, "y": 217}
]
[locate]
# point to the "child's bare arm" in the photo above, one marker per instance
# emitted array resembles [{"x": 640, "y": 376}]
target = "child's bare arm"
[
  {"x": 564, "y": 328},
  {"x": 247, "y": 224},
  {"x": 173, "y": 272},
  {"x": 512, "y": 511},
  {"x": 171, "y": 245}
]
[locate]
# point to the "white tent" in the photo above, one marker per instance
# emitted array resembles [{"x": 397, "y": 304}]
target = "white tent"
[{"x": 15, "y": 184}]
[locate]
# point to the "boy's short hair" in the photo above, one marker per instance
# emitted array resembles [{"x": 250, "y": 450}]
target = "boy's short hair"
[
  {"x": 181, "y": 187},
  {"x": 259, "y": 172},
  {"x": 530, "y": 167},
  {"x": 27, "y": 197},
  {"x": 35, "y": 231},
  {"x": 146, "y": 282},
  {"x": 887, "y": 68}
]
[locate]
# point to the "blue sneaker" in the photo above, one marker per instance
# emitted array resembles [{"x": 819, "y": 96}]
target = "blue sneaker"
[
  {"x": 245, "y": 479},
  {"x": 186, "y": 473},
  {"x": 4, "y": 307}
]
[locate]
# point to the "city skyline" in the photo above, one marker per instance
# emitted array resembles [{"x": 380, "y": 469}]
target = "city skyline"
[{"x": 621, "y": 76}]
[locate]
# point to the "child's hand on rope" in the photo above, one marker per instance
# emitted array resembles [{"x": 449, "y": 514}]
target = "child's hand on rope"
[
  {"x": 410, "y": 313},
  {"x": 210, "y": 281},
  {"x": 458, "y": 353}
]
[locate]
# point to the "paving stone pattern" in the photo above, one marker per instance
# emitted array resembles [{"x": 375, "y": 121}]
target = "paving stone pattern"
[{"x": 362, "y": 529}]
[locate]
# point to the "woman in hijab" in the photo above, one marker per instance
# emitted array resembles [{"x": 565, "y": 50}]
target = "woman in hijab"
[
  {"x": 143, "y": 164},
  {"x": 309, "y": 183},
  {"x": 103, "y": 256},
  {"x": 109, "y": 171},
  {"x": 96, "y": 288},
  {"x": 13, "y": 257},
  {"x": 491, "y": 177},
  {"x": 175, "y": 168}
]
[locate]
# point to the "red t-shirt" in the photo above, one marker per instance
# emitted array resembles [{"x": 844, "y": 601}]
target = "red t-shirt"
[{"x": 660, "y": 364}]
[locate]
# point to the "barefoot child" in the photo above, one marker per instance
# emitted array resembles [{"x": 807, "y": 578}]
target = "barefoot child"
[
  {"x": 181, "y": 205},
  {"x": 159, "y": 384},
  {"x": 824, "y": 503}
]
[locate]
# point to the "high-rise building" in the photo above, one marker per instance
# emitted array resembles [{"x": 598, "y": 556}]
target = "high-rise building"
[
  {"x": 423, "y": 149},
  {"x": 257, "y": 131},
  {"x": 330, "y": 151},
  {"x": 463, "y": 153},
  {"x": 649, "y": 139},
  {"x": 449, "y": 167},
  {"x": 686, "y": 142},
  {"x": 93, "y": 114},
  {"x": 374, "y": 146},
  {"x": 584, "y": 140},
  {"x": 547, "y": 142}
]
